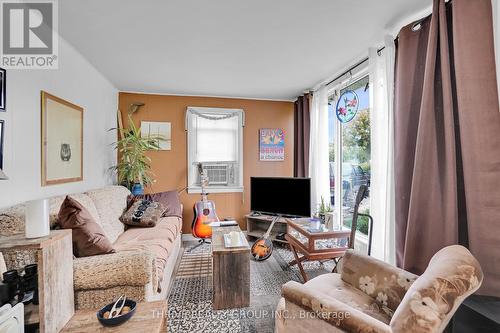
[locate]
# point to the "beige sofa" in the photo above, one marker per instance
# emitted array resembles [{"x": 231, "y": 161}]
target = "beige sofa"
[
  {"x": 372, "y": 296},
  {"x": 144, "y": 260}
]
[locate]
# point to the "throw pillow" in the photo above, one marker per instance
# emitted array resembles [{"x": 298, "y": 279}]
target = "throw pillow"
[
  {"x": 143, "y": 213},
  {"x": 88, "y": 236},
  {"x": 170, "y": 199}
]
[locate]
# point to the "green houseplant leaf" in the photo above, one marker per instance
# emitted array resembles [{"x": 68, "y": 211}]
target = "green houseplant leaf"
[{"x": 134, "y": 166}]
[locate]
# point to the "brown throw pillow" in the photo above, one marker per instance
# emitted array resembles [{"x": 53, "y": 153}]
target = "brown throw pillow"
[
  {"x": 88, "y": 236},
  {"x": 170, "y": 199},
  {"x": 143, "y": 213}
]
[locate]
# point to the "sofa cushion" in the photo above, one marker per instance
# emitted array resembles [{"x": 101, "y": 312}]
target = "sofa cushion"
[
  {"x": 56, "y": 202},
  {"x": 290, "y": 318},
  {"x": 158, "y": 240},
  {"x": 451, "y": 276},
  {"x": 383, "y": 282},
  {"x": 12, "y": 218},
  {"x": 134, "y": 268},
  {"x": 170, "y": 199},
  {"x": 110, "y": 202},
  {"x": 331, "y": 285},
  {"x": 143, "y": 213},
  {"x": 88, "y": 236}
]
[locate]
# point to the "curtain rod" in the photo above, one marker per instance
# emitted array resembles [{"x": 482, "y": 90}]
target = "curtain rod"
[
  {"x": 350, "y": 69},
  {"x": 448, "y": 2}
]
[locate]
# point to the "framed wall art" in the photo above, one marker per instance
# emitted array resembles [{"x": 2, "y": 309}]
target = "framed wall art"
[
  {"x": 271, "y": 144},
  {"x": 3, "y": 89},
  {"x": 62, "y": 141},
  {"x": 2, "y": 131},
  {"x": 158, "y": 129}
]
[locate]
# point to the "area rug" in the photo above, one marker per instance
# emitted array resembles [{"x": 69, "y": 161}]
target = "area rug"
[{"x": 190, "y": 298}]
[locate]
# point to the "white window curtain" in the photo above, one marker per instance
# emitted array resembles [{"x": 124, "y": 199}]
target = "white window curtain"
[
  {"x": 215, "y": 139},
  {"x": 318, "y": 147},
  {"x": 496, "y": 35},
  {"x": 382, "y": 145}
]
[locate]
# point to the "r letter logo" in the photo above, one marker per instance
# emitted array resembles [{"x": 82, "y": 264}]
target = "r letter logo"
[{"x": 29, "y": 38}]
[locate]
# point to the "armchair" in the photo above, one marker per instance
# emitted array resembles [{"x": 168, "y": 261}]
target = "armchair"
[{"x": 372, "y": 296}]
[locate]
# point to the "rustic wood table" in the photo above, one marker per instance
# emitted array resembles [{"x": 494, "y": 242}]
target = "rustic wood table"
[
  {"x": 230, "y": 271},
  {"x": 149, "y": 317},
  {"x": 54, "y": 256},
  {"x": 322, "y": 244}
]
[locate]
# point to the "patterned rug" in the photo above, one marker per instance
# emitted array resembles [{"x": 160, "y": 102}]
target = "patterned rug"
[{"x": 190, "y": 299}]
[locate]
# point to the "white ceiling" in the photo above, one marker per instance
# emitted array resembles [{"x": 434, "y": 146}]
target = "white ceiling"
[{"x": 271, "y": 49}]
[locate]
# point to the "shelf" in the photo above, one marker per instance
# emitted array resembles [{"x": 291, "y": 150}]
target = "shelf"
[
  {"x": 265, "y": 218},
  {"x": 31, "y": 316},
  {"x": 272, "y": 237},
  {"x": 54, "y": 255},
  {"x": 257, "y": 233},
  {"x": 258, "y": 225}
]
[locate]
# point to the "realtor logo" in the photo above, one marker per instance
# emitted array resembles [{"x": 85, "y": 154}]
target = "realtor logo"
[{"x": 29, "y": 34}]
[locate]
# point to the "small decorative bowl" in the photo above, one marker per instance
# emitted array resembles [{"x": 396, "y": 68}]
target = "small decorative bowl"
[{"x": 117, "y": 320}]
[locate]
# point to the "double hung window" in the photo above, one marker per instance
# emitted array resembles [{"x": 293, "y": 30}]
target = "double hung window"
[{"x": 215, "y": 139}]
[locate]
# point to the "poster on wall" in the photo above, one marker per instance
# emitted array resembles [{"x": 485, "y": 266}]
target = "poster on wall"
[
  {"x": 62, "y": 141},
  {"x": 272, "y": 144}
]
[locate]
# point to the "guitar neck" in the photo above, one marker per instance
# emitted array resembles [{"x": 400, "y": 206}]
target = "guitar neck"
[{"x": 268, "y": 232}]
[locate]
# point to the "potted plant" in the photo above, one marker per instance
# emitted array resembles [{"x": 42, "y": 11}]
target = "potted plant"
[
  {"x": 134, "y": 166},
  {"x": 325, "y": 213}
]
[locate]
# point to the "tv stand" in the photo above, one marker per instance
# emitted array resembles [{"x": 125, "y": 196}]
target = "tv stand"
[{"x": 257, "y": 226}]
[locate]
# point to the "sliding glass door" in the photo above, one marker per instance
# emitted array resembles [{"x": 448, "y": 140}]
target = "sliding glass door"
[{"x": 350, "y": 147}]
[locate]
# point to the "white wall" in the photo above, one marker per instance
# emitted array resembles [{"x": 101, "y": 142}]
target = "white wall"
[{"x": 78, "y": 82}]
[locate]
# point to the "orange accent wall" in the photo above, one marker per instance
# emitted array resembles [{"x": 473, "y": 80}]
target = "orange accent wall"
[{"x": 170, "y": 166}]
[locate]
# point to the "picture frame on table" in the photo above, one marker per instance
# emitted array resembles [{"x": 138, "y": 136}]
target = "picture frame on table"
[
  {"x": 62, "y": 141},
  {"x": 3, "y": 90}
]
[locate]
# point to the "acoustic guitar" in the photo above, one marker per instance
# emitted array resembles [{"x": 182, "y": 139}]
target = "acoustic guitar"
[
  {"x": 263, "y": 247},
  {"x": 204, "y": 211}
]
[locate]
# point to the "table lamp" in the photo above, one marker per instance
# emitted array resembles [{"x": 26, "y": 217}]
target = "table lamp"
[{"x": 37, "y": 218}]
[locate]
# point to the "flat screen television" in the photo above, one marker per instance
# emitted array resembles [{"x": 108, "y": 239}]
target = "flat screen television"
[{"x": 281, "y": 196}]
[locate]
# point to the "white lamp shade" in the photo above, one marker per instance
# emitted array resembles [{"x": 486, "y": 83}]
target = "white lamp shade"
[{"x": 37, "y": 219}]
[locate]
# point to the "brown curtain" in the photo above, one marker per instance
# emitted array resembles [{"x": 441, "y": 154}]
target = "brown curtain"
[
  {"x": 301, "y": 136},
  {"x": 447, "y": 138}
]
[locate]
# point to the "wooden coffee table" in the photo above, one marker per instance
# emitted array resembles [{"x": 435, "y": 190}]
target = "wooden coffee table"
[
  {"x": 322, "y": 245},
  {"x": 230, "y": 271},
  {"x": 149, "y": 317}
]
